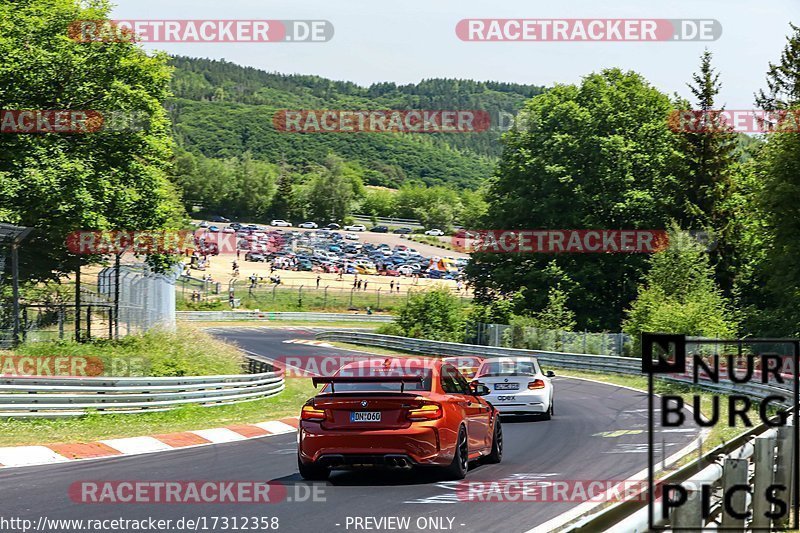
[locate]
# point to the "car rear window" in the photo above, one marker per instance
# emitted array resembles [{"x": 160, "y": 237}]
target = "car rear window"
[
  {"x": 424, "y": 385},
  {"x": 508, "y": 368}
]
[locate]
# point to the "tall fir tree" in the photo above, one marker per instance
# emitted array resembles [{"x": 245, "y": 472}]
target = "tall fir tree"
[
  {"x": 783, "y": 78},
  {"x": 710, "y": 158}
]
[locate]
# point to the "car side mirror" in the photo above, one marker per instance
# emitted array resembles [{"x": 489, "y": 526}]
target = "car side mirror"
[
  {"x": 478, "y": 389},
  {"x": 550, "y": 374}
]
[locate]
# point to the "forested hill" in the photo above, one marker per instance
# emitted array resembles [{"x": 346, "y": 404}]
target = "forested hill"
[{"x": 222, "y": 110}]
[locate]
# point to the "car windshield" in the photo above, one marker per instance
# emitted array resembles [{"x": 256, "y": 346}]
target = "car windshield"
[
  {"x": 424, "y": 385},
  {"x": 508, "y": 368}
]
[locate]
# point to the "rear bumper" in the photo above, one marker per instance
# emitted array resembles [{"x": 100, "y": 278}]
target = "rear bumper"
[
  {"x": 417, "y": 445},
  {"x": 522, "y": 403}
]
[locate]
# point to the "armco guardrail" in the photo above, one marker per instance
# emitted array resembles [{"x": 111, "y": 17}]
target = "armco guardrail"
[
  {"x": 223, "y": 316},
  {"x": 732, "y": 463},
  {"x": 28, "y": 397},
  {"x": 594, "y": 363},
  {"x": 760, "y": 458}
]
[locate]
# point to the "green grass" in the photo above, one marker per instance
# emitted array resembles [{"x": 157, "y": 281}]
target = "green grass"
[
  {"x": 184, "y": 352},
  {"x": 94, "y": 427},
  {"x": 288, "y": 299}
]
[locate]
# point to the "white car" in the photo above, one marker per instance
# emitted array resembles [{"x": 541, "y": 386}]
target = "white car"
[
  {"x": 308, "y": 225},
  {"x": 355, "y": 227},
  {"x": 405, "y": 270},
  {"x": 351, "y": 236},
  {"x": 517, "y": 386},
  {"x": 280, "y": 223},
  {"x": 434, "y": 232}
]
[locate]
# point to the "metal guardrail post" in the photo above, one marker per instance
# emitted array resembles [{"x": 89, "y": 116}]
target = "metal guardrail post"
[
  {"x": 784, "y": 464},
  {"x": 764, "y": 459},
  {"x": 689, "y": 515},
  {"x": 734, "y": 472}
]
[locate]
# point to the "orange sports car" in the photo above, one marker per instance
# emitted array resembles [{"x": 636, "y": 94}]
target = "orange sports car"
[{"x": 397, "y": 413}]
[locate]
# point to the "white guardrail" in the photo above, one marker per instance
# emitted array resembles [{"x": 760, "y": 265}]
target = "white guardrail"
[
  {"x": 760, "y": 458},
  {"x": 223, "y": 316},
  {"x": 28, "y": 397}
]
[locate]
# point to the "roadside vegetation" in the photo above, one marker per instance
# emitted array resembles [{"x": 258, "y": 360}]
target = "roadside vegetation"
[{"x": 187, "y": 351}]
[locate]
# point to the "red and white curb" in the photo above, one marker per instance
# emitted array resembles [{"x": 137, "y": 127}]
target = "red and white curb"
[{"x": 16, "y": 456}]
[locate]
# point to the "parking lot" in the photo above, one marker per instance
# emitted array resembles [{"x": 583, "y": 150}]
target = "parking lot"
[{"x": 324, "y": 258}]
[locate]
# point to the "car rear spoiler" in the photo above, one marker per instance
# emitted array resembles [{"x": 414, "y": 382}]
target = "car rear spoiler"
[{"x": 333, "y": 380}]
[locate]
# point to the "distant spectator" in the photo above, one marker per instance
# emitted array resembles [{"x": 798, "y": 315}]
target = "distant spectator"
[
  {"x": 253, "y": 281},
  {"x": 369, "y": 310},
  {"x": 358, "y": 284},
  {"x": 355, "y": 282},
  {"x": 319, "y": 278},
  {"x": 365, "y": 284},
  {"x": 398, "y": 286},
  {"x": 391, "y": 286}
]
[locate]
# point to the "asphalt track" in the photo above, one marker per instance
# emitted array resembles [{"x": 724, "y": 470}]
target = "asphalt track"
[{"x": 599, "y": 432}]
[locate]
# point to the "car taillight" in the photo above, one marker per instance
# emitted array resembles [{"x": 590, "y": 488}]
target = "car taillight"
[
  {"x": 430, "y": 411},
  {"x": 309, "y": 412},
  {"x": 536, "y": 384}
]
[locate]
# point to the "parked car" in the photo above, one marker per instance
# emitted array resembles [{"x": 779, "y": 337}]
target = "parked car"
[
  {"x": 356, "y": 227},
  {"x": 351, "y": 236},
  {"x": 305, "y": 265},
  {"x": 219, "y": 218},
  {"x": 255, "y": 256},
  {"x": 333, "y": 226},
  {"x": 203, "y": 224},
  {"x": 434, "y": 232},
  {"x": 366, "y": 269},
  {"x": 402, "y": 231},
  {"x": 406, "y": 270},
  {"x": 308, "y": 225},
  {"x": 280, "y": 223},
  {"x": 380, "y": 229},
  {"x": 213, "y": 229}
]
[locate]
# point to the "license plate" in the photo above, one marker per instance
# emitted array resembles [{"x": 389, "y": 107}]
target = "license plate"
[
  {"x": 506, "y": 386},
  {"x": 365, "y": 416}
]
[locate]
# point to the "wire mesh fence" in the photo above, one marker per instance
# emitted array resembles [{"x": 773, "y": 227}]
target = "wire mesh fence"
[
  {"x": 144, "y": 300},
  {"x": 533, "y": 338}
]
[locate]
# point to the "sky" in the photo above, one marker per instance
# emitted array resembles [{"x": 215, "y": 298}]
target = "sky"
[{"x": 405, "y": 42}]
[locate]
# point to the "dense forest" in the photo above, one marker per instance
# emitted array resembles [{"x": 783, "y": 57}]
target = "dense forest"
[{"x": 223, "y": 110}]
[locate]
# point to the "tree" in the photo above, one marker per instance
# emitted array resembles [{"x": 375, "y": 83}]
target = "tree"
[
  {"x": 332, "y": 189},
  {"x": 710, "y": 159},
  {"x": 778, "y": 172},
  {"x": 434, "y": 314},
  {"x": 594, "y": 155},
  {"x": 783, "y": 78},
  {"x": 378, "y": 202},
  {"x": 679, "y": 294},
  {"x": 103, "y": 180},
  {"x": 284, "y": 200}
]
